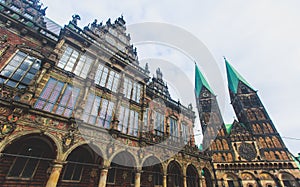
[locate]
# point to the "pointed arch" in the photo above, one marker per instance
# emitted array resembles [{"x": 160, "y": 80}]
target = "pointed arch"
[
  {"x": 207, "y": 175},
  {"x": 152, "y": 174},
  {"x": 225, "y": 144},
  {"x": 259, "y": 129},
  {"x": 82, "y": 159},
  {"x": 175, "y": 175},
  {"x": 28, "y": 157},
  {"x": 262, "y": 142},
  {"x": 276, "y": 142},
  {"x": 213, "y": 145},
  {"x": 229, "y": 157},
  {"x": 121, "y": 171},
  {"x": 270, "y": 128},
  {"x": 259, "y": 114},
  {"x": 284, "y": 155},
  {"x": 192, "y": 176},
  {"x": 269, "y": 142},
  {"x": 266, "y": 129},
  {"x": 288, "y": 179},
  {"x": 230, "y": 179},
  {"x": 15, "y": 137},
  {"x": 267, "y": 179},
  {"x": 250, "y": 115},
  {"x": 219, "y": 144},
  {"x": 254, "y": 128}
]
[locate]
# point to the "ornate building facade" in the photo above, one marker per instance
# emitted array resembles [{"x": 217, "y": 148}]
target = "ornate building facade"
[
  {"x": 249, "y": 152},
  {"x": 76, "y": 108}
]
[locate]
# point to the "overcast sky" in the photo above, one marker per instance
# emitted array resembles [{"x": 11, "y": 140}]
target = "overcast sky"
[{"x": 260, "y": 38}]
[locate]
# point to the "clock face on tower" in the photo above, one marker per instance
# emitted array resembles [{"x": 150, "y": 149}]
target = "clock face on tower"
[{"x": 247, "y": 151}]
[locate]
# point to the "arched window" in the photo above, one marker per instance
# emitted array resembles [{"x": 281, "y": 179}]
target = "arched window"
[
  {"x": 269, "y": 142},
  {"x": 276, "y": 142},
  {"x": 266, "y": 130},
  {"x": 26, "y": 163},
  {"x": 75, "y": 164},
  {"x": 262, "y": 142},
  {"x": 250, "y": 115},
  {"x": 28, "y": 158},
  {"x": 219, "y": 145},
  {"x": 225, "y": 144}
]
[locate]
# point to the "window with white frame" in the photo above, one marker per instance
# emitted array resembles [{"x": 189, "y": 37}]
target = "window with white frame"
[
  {"x": 98, "y": 111},
  {"x": 20, "y": 70},
  {"x": 173, "y": 128},
  {"x": 107, "y": 78},
  {"x": 185, "y": 133},
  {"x": 132, "y": 89},
  {"x": 128, "y": 121},
  {"x": 75, "y": 62},
  {"x": 51, "y": 100},
  {"x": 159, "y": 123}
]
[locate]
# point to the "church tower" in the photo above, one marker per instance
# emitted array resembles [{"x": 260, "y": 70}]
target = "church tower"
[
  {"x": 215, "y": 136},
  {"x": 257, "y": 145}
]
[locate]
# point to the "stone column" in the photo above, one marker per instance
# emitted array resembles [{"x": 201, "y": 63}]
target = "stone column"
[
  {"x": 184, "y": 181},
  {"x": 165, "y": 181},
  {"x": 103, "y": 177},
  {"x": 137, "y": 182},
  {"x": 54, "y": 176}
]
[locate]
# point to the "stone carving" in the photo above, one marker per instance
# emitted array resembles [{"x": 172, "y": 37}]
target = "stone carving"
[
  {"x": 75, "y": 18},
  {"x": 8, "y": 126}
]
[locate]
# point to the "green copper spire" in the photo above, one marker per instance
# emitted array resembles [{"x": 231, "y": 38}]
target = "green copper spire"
[
  {"x": 200, "y": 81},
  {"x": 228, "y": 127},
  {"x": 234, "y": 77}
]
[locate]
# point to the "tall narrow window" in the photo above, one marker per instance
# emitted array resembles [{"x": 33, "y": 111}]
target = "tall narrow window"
[
  {"x": 159, "y": 123},
  {"x": 111, "y": 174},
  {"x": 174, "y": 129},
  {"x": 50, "y": 94},
  {"x": 107, "y": 78},
  {"x": 98, "y": 111},
  {"x": 83, "y": 66},
  {"x": 73, "y": 61},
  {"x": 68, "y": 59},
  {"x": 128, "y": 121},
  {"x": 185, "y": 133},
  {"x": 146, "y": 123},
  {"x": 20, "y": 70},
  {"x": 68, "y": 101},
  {"x": 132, "y": 90}
]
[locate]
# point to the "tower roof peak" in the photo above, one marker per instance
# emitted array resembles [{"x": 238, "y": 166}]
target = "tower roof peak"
[
  {"x": 200, "y": 82},
  {"x": 234, "y": 77}
]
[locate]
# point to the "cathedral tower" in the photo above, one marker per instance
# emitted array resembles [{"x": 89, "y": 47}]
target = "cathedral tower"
[{"x": 256, "y": 144}]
